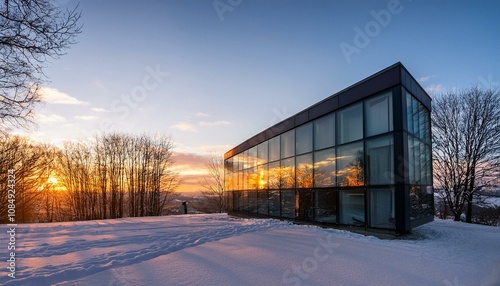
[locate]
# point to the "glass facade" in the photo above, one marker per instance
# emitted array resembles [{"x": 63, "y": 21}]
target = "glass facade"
[
  {"x": 342, "y": 167},
  {"x": 419, "y": 158}
]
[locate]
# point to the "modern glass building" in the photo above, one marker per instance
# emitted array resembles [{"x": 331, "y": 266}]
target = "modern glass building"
[{"x": 360, "y": 157}]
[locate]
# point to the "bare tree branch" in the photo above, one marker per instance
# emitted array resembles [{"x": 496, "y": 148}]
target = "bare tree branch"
[
  {"x": 213, "y": 183},
  {"x": 31, "y": 32},
  {"x": 466, "y": 132}
]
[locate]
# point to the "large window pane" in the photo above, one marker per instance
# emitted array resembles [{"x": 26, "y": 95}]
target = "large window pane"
[
  {"x": 428, "y": 169},
  {"x": 244, "y": 159},
  {"x": 252, "y": 157},
  {"x": 411, "y": 160},
  {"x": 262, "y": 177},
  {"x": 228, "y": 174},
  {"x": 421, "y": 202},
  {"x": 274, "y": 149},
  {"x": 274, "y": 175},
  {"x": 380, "y": 161},
  {"x": 324, "y": 168},
  {"x": 421, "y": 121},
  {"x": 409, "y": 111},
  {"x": 350, "y": 165},
  {"x": 262, "y": 152},
  {"x": 236, "y": 200},
  {"x": 237, "y": 162},
  {"x": 253, "y": 178},
  {"x": 252, "y": 201},
  {"x": 304, "y": 171},
  {"x": 382, "y": 208},
  {"x": 415, "y": 117},
  {"x": 236, "y": 185},
  {"x": 419, "y": 164},
  {"x": 246, "y": 176},
  {"x": 427, "y": 127},
  {"x": 288, "y": 203},
  {"x": 241, "y": 179},
  {"x": 274, "y": 203},
  {"x": 378, "y": 112},
  {"x": 288, "y": 144},
  {"x": 350, "y": 124},
  {"x": 305, "y": 209},
  {"x": 352, "y": 207},
  {"x": 324, "y": 132},
  {"x": 243, "y": 201},
  {"x": 325, "y": 203},
  {"x": 304, "y": 139},
  {"x": 288, "y": 173},
  {"x": 262, "y": 202}
]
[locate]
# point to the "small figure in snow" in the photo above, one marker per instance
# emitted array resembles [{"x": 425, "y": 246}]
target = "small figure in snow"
[{"x": 184, "y": 205}]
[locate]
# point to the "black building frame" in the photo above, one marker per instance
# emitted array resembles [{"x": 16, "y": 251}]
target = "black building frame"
[{"x": 412, "y": 186}]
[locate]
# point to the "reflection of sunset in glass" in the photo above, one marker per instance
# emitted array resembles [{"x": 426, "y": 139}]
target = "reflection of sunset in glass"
[{"x": 52, "y": 181}]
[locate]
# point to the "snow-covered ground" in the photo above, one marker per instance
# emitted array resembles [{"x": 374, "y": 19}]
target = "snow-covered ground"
[
  {"x": 492, "y": 202},
  {"x": 221, "y": 250}
]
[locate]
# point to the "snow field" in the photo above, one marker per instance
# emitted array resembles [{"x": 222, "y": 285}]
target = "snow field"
[{"x": 221, "y": 250}]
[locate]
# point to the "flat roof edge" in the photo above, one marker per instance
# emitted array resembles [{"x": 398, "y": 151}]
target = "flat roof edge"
[{"x": 377, "y": 82}]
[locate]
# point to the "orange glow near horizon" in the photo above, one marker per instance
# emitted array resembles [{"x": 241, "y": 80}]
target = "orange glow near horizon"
[{"x": 52, "y": 180}]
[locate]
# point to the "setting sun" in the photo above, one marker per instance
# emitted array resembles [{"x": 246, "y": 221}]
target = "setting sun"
[{"x": 52, "y": 180}]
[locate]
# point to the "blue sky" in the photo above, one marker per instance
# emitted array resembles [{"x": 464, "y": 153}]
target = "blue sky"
[{"x": 210, "y": 74}]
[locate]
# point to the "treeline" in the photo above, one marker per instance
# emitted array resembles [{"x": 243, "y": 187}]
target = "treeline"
[
  {"x": 28, "y": 164},
  {"x": 111, "y": 176}
]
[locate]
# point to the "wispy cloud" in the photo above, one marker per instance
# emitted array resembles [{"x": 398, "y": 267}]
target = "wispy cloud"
[
  {"x": 201, "y": 114},
  {"x": 214, "y": 150},
  {"x": 98, "y": 109},
  {"x": 185, "y": 126},
  {"x": 54, "y": 96},
  {"x": 424, "y": 78},
  {"x": 215, "y": 123},
  {"x": 49, "y": 118},
  {"x": 434, "y": 89},
  {"x": 87, "y": 117}
]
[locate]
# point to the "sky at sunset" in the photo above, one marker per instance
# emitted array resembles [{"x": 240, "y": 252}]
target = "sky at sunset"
[{"x": 211, "y": 74}]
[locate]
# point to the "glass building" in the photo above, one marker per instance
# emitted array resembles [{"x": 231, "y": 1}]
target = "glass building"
[{"x": 360, "y": 157}]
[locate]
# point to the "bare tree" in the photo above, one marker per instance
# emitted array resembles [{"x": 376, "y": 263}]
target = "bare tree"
[
  {"x": 466, "y": 136},
  {"x": 77, "y": 171},
  {"x": 213, "y": 183},
  {"x": 119, "y": 175},
  {"x": 28, "y": 163},
  {"x": 30, "y": 33}
]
